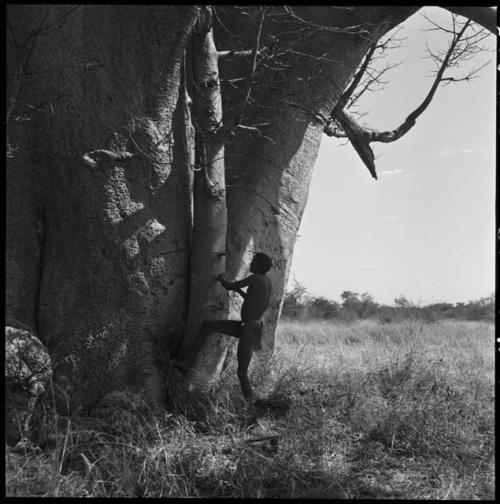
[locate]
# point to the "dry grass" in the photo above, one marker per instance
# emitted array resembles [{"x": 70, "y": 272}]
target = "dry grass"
[{"x": 361, "y": 411}]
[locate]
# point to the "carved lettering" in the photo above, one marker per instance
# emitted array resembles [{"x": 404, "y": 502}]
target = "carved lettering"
[{"x": 277, "y": 256}]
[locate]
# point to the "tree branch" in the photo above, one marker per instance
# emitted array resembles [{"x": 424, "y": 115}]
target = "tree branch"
[
  {"x": 356, "y": 29},
  {"x": 234, "y": 54},
  {"x": 411, "y": 119},
  {"x": 485, "y": 16},
  {"x": 360, "y": 136},
  {"x": 228, "y": 129},
  {"x": 357, "y": 78}
]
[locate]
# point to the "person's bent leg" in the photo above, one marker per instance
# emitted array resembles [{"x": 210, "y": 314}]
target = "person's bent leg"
[
  {"x": 244, "y": 356},
  {"x": 228, "y": 327}
]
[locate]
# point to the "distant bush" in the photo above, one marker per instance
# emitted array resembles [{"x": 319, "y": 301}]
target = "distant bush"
[{"x": 299, "y": 304}]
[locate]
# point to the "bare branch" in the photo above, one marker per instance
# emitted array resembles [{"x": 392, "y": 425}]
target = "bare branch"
[
  {"x": 360, "y": 136},
  {"x": 254, "y": 60},
  {"x": 312, "y": 56},
  {"x": 356, "y": 29},
  {"x": 333, "y": 129},
  {"x": 411, "y": 119},
  {"x": 233, "y": 54},
  {"x": 229, "y": 127},
  {"x": 354, "y": 84},
  {"x": 484, "y": 16},
  {"x": 350, "y": 96},
  {"x": 471, "y": 75},
  {"x": 368, "y": 83}
]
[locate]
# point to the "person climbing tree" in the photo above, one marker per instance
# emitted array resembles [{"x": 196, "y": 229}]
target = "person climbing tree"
[{"x": 250, "y": 328}]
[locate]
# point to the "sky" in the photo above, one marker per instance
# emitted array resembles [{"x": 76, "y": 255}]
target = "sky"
[{"x": 426, "y": 228}]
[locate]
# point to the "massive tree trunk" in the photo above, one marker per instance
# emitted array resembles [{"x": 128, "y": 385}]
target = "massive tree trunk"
[
  {"x": 103, "y": 260},
  {"x": 98, "y": 200},
  {"x": 269, "y": 180}
]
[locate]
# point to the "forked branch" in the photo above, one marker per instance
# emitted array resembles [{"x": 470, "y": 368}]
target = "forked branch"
[{"x": 343, "y": 124}]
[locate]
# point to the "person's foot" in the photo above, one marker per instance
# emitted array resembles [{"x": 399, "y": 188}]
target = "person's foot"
[
  {"x": 259, "y": 401},
  {"x": 250, "y": 411},
  {"x": 251, "y": 419},
  {"x": 259, "y": 404}
]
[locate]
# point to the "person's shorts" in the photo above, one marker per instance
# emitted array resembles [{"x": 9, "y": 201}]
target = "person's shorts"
[{"x": 254, "y": 330}]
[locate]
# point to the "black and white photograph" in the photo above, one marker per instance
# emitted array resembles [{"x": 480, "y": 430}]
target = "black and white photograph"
[{"x": 250, "y": 251}]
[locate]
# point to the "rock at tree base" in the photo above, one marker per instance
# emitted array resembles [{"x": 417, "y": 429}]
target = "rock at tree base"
[{"x": 28, "y": 370}]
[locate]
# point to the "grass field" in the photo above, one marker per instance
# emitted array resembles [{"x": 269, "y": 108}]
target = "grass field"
[{"x": 366, "y": 410}]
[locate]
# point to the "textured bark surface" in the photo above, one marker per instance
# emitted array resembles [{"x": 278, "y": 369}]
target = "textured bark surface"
[{"x": 97, "y": 239}]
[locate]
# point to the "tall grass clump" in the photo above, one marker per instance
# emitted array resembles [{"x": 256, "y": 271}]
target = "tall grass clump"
[{"x": 363, "y": 410}]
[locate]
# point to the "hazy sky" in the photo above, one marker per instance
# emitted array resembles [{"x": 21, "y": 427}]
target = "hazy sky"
[{"x": 426, "y": 228}]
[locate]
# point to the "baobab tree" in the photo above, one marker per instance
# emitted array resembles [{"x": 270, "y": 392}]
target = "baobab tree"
[{"x": 151, "y": 148}]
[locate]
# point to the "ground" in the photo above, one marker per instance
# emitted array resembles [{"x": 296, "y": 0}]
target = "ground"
[{"x": 362, "y": 410}]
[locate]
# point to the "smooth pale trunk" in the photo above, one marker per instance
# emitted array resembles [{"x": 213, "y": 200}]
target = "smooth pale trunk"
[{"x": 207, "y": 300}]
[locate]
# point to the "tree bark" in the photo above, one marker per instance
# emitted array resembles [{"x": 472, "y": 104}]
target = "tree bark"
[
  {"x": 207, "y": 300},
  {"x": 98, "y": 243}
]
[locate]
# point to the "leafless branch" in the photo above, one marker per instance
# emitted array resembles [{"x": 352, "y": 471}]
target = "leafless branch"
[
  {"x": 484, "y": 16},
  {"x": 356, "y": 29},
  {"x": 254, "y": 60},
  {"x": 357, "y": 78},
  {"x": 373, "y": 76},
  {"x": 233, "y": 54},
  {"x": 343, "y": 124},
  {"x": 366, "y": 77},
  {"x": 228, "y": 129},
  {"x": 367, "y": 84},
  {"x": 471, "y": 75}
]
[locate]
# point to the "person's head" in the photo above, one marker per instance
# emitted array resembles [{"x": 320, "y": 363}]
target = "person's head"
[{"x": 261, "y": 263}]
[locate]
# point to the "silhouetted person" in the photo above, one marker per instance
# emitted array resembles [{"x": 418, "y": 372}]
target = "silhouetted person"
[{"x": 250, "y": 328}]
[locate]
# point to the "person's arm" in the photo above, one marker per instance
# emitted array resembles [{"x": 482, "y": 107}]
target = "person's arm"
[
  {"x": 236, "y": 286},
  {"x": 243, "y": 294}
]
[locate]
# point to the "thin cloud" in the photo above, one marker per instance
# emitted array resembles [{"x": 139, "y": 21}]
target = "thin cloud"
[
  {"x": 391, "y": 217},
  {"x": 368, "y": 266},
  {"x": 459, "y": 152},
  {"x": 390, "y": 172}
]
